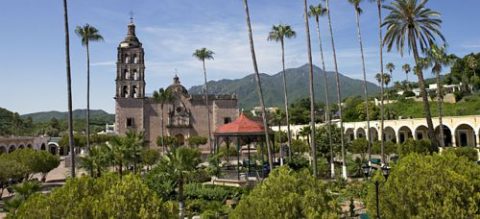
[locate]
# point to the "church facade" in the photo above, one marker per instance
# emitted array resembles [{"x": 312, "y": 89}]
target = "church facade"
[{"x": 182, "y": 118}]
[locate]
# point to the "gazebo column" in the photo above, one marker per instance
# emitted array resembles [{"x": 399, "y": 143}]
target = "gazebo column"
[{"x": 238, "y": 158}]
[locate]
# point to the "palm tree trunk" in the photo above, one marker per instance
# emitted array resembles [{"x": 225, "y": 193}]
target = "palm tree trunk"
[
  {"x": 259, "y": 84},
  {"x": 327, "y": 104},
  {"x": 312, "y": 94},
  {"x": 339, "y": 95},
  {"x": 423, "y": 93},
  {"x": 208, "y": 108},
  {"x": 69, "y": 90},
  {"x": 88, "y": 95},
  {"x": 162, "y": 140},
  {"x": 181, "y": 204},
  {"x": 382, "y": 106},
  {"x": 440, "y": 108},
  {"x": 365, "y": 88},
  {"x": 287, "y": 117}
]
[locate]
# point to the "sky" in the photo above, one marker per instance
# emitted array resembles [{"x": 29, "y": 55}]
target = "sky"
[{"x": 32, "y": 61}]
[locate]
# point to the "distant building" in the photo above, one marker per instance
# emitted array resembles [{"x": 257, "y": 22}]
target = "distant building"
[
  {"x": 184, "y": 117},
  {"x": 257, "y": 111}
]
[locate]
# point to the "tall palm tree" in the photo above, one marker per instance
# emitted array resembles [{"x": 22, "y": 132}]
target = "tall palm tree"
[
  {"x": 436, "y": 59},
  {"x": 339, "y": 95},
  {"x": 259, "y": 83},
  {"x": 410, "y": 23},
  {"x": 163, "y": 97},
  {"x": 180, "y": 164},
  {"x": 317, "y": 12},
  {"x": 69, "y": 89},
  {"x": 312, "y": 95},
  {"x": 390, "y": 68},
  {"x": 202, "y": 55},
  {"x": 279, "y": 33},
  {"x": 406, "y": 68},
  {"x": 382, "y": 108},
  {"x": 358, "y": 11},
  {"x": 88, "y": 34}
]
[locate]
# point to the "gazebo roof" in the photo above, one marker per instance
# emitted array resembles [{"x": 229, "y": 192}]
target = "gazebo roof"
[{"x": 241, "y": 126}]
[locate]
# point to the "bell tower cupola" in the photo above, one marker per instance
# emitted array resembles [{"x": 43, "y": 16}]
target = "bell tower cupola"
[{"x": 130, "y": 78}]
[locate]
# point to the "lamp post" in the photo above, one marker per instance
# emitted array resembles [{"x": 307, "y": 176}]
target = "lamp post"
[{"x": 385, "y": 172}]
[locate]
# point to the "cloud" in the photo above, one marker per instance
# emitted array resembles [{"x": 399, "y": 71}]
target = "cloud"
[{"x": 105, "y": 63}]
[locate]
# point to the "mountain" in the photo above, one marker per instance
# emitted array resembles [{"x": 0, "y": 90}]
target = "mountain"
[
  {"x": 297, "y": 86},
  {"x": 77, "y": 114}
]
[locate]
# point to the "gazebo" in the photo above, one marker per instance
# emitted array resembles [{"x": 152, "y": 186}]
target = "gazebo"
[{"x": 242, "y": 128}]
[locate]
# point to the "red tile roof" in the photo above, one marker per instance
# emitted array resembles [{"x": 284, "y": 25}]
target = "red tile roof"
[{"x": 241, "y": 126}]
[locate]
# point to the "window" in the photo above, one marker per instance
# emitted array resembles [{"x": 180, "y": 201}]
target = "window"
[
  {"x": 463, "y": 139},
  {"x": 127, "y": 74},
  {"x": 125, "y": 91},
  {"x": 135, "y": 74},
  {"x": 130, "y": 123},
  {"x": 135, "y": 59},
  {"x": 227, "y": 120},
  {"x": 127, "y": 59},
  {"x": 135, "y": 91}
]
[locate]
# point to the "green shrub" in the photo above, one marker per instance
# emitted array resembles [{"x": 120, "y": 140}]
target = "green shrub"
[
  {"x": 413, "y": 146},
  {"x": 468, "y": 152}
]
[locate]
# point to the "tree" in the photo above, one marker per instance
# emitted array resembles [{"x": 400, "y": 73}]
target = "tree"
[
  {"x": 195, "y": 141},
  {"x": 179, "y": 165},
  {"x": 436, "y": 59},
  {"x": 380, "y": 44},
  {"x": 162, "y": 97},
  {"x": 410, "y": 23},
  {"x": 317, "y": 12},
  {"x": 406, "y": 68},
  {"x": 96, "y": 160},
  {"x": 360, "y": 146},
  {"x": 339, "y": 95},
  {"x": 288, "y": 194},
  {"x": 473, "y": 64},
  {"x": 358, "y": 11},
  {"x": 88, "y": 34},
  {"x": 433, "y": 186},
  {"x": 168, "y": 141},
  {"x": 423, "y": 147},
  {"x": 22, "y": 192},
  {"x": 279, "y": 33},
  {"x": 150, "y": 157},
  {"x": 390, "y": 67},
  {"x": 104, "y": 197},
  {"x": 34, "y": 161},
  {"x": 259, "y": 83},
  {"x": 69, "y": 89},
  {"x": 202, "y": 55},
  {"x": 11, "y": 170}
]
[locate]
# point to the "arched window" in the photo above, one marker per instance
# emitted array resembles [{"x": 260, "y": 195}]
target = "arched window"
[
  {"x": 127, "y": 74},
  {"x": 125, "y": 91},
  {"x": 135, "y": 59},
  {"x": 135, "y": 91},
  {"x": 135, "y": 74},
  {"x": 127, "y": 59}
]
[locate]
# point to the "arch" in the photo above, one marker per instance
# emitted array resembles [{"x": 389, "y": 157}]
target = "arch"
[
  {"x": 180, "y": 139},
  {"x": 11, "y": 148},
  {"x": 361, "y": 133},
  {"x": 447, "y": 135},
  {"x": 389, "y": 134},
  {"x": 135, "y": 58},
  {"x": 127, "y": 59},
  {"x": 29, "y": 146},
  {"x": 373, "y": 134},
  {"x": 134, "y": 91},
  {"x": 465, "y": 136},
  {"x": 421, "y": 132},
  {"x": 3, "y": 149},
  {"x": 136, "y": 75},
  {"x": 53, "y": 148},
  {"x": 43, "y": 147},
  {"x": 21, "y": 146},
  {"x": 126, "y": 74},
  {"x": 125, "y": 91},
  {"x": 404, "y": 133},
  {"x": 350, "y": 134}
]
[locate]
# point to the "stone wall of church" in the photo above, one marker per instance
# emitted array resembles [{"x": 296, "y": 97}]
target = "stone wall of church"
[{"x": 129, "y": 115}]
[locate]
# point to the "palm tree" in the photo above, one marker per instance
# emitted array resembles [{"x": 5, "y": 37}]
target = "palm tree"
[
  {"x": 436, "y": 59},
  {"x": 69, "y": 89},
  {"x": 406, "y": 68},
  {"x": 339, "y": 95},
  {"x": 472, "y": 63},
  {"x": 382, "y": 109},
  {"x": 419, "y": 26},
  {"x": 317, "y": 12},
  {"x": 134, "y": 143},
  {"x": 358, "y": 11},
  {"x": 259, "y": 83},
  {"x": 279, "y": 33},
  {"x": 181, "y": 163},
  {"x": 162, "y": 96},
  {"x": 202, "y": 55},
  {"x": 312, "y": 96},
  {"x": 88, "y": 34},
  {"x": 96, "y": 160}
]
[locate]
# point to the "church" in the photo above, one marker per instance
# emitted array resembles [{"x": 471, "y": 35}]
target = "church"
[{"x": 183, "y": 117}]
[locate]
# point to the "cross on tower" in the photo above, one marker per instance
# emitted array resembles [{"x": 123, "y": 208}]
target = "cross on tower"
[{"x": 131, "y": 17}]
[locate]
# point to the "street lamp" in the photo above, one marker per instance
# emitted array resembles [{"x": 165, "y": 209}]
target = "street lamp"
[
  {"x": 366, "y": 170},
  {"x": 386, "y": 172}
]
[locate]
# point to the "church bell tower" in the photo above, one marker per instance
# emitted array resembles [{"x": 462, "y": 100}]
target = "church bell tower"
[{"x": 130, "y": 67}]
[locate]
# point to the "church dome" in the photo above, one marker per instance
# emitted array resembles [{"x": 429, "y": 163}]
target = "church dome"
[{"x": 177, "y": 87}]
